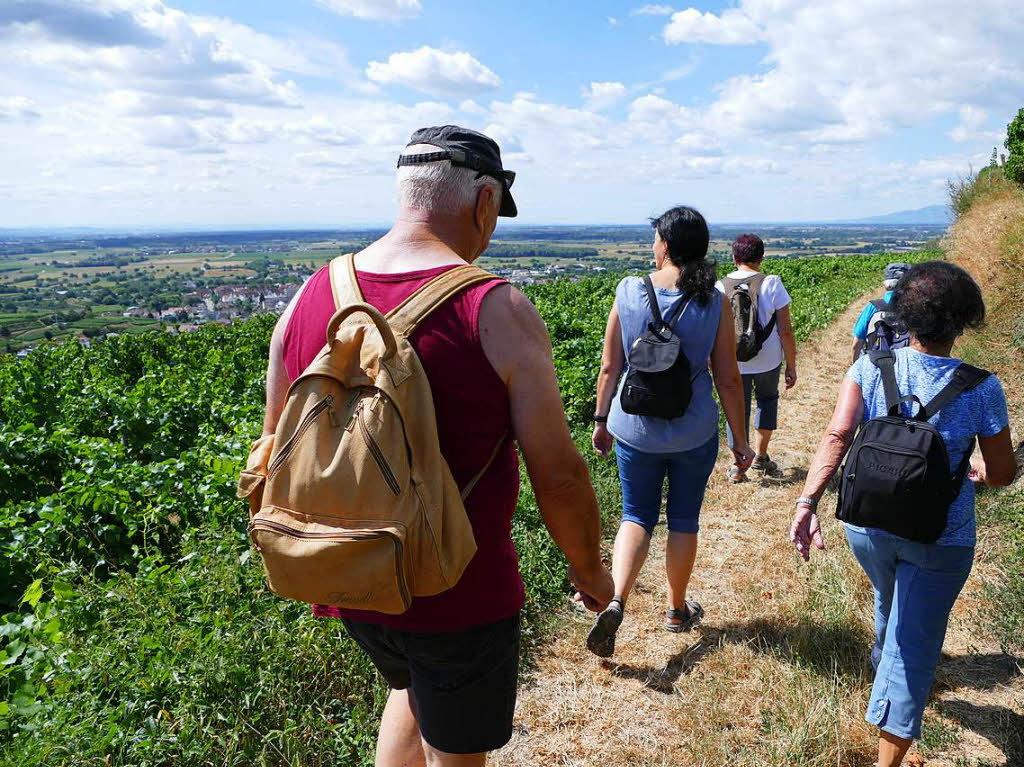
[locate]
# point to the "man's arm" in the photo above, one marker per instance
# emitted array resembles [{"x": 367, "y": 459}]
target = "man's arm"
[{"x": 516, "y": 343}]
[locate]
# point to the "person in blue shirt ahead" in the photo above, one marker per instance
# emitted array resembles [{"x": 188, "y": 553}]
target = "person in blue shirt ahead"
[
  {"x": 915, "y": 583},
  {"x": 893, "y": 272}
]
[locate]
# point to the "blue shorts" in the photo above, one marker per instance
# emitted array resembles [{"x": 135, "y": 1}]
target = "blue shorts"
[{"x": 643, "y": 475}]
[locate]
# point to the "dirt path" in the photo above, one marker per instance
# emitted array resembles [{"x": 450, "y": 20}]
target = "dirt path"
[{"x": 778, "y": 673}]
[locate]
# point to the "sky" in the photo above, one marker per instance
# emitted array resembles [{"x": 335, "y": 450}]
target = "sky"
[{"x": 261, "y": 113}]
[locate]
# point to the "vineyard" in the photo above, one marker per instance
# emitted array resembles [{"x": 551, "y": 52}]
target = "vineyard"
[{"x": 138, "y": 630}]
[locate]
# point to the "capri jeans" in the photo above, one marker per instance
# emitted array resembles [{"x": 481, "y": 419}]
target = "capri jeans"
[
  {"x": 643, "y": 475},
  {"x": 916, "y": 585},
  {"x": 764, "y": 387}
]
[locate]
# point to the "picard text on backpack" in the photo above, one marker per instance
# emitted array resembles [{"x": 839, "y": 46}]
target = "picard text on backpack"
[
  {"x": 897, "y": 476},
  {"x": 744, "y": 293},
  {"x": 359, "y": 507},
  {"x": 658, "y": 381}
]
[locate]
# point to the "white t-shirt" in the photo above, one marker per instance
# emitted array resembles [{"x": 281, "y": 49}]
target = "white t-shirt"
[{"x": 773, "y": 296}]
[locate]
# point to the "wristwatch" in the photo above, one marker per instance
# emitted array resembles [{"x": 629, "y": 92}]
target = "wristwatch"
[
  {"x": 805, "y": 501},
  {"x": 600, "y": 418}
]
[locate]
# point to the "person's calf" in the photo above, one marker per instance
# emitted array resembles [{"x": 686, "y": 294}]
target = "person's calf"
[{"x": 437, "y": 758}]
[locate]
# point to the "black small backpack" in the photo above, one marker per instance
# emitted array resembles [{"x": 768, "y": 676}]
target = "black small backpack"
[
  {"x": 897, "y": 476},
  {"x": 658, "y": 381},
  {"x": 882, "y": 331},
  {"x": 744, "y": 293}
]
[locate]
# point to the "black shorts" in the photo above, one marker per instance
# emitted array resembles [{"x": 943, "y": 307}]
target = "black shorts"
[{"x": 464, "y": 682}]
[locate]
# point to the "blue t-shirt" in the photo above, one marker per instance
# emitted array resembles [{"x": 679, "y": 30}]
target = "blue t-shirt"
[
  {"x": 696, "y": 328},
  {"x": 860, "y": 330},
  {"x": 978, "y": 412}
]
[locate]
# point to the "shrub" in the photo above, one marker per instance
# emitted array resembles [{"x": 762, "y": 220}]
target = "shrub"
[
  {"x": 1014, "y": 167},
  {"x": 967, "y": 190}
]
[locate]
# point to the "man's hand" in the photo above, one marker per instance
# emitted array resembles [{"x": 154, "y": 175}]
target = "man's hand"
[
  {"x": 602, "y": 440},
  {"x": 790, "y": 377},
  {"x": 806, "y": 530},
  {"x": 594, "y": 589}
]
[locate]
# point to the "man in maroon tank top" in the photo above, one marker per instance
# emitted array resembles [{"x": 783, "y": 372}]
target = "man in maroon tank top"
[{"x": 452, "y": 659}]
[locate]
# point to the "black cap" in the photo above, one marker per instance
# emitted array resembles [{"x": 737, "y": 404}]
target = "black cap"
[{"x": 467, "y": 149}]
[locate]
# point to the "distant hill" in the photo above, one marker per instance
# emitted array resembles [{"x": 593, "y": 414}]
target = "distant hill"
[{"x": 932, "y": 214}]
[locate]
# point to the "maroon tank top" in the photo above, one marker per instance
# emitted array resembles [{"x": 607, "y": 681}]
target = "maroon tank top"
[{"x": 472, "y": 408}]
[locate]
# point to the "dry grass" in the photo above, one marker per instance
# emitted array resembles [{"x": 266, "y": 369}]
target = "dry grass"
[{"x": 778, "y": 673}]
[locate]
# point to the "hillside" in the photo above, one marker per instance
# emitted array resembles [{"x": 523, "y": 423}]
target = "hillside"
[{"x": 138, "y": 629}]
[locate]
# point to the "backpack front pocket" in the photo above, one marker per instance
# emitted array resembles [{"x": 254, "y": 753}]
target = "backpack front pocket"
[{"x": 355, "y": 564}]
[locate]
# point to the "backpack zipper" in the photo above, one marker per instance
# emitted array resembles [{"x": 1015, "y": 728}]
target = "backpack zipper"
[
  {"x": 378, "y": 455},
  {"x": 306, "y": 422},
  {"x": 358, "y": 535}
]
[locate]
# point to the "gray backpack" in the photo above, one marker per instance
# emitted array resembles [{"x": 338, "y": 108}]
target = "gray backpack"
[{"x": 743, "y": 294}]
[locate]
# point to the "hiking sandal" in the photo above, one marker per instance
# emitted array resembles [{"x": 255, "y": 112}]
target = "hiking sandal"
[
  {"x": 601, "y": 639},
  {"x": 687, "y": 616},
  {"x": 736, "y": 475},
  {"x": 765, "y": 465}
]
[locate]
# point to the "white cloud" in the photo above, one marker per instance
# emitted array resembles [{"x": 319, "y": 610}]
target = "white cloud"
[
  {"x": 653, "y": 10},
  {"x": 733, "y": 27},
  {"x": 381, "y": 10},
  {"x": 434, "y": 71},
  {"x": 613, "y": 22},
  {"x": 603, "y": 95},
  {"x": 17, "y": 108}
]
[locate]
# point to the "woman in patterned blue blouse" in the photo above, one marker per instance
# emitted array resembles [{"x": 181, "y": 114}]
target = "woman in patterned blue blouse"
[{"x": 915, "y": 584}]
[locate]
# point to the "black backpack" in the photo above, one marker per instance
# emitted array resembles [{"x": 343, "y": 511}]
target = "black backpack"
[
  {"x": 897, "y": 476},
  {"x": 658, "y": 381},
  {"x": 744, "y": 294},
  {"x": 882, "y": 331}
]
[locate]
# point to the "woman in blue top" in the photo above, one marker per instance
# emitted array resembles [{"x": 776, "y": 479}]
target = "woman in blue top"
[
  {"x": 684, "y": 448},
  {"x": 915, "y": 584}
]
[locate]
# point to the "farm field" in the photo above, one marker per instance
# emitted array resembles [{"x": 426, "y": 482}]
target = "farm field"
[
  {"x": 137, "y": 626},
  {"x": 52, "y": 290}
]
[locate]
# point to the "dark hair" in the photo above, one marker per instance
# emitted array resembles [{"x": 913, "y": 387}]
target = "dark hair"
[
  {"x": 936, "y": 301},
  {"x": 748, "y": 249},
  {"x": 685, "y": 232}
]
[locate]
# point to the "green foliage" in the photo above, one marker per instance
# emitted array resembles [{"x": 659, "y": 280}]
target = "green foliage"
[{"x": 1014, "y": 167}]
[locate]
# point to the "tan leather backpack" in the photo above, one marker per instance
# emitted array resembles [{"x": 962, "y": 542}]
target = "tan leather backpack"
[{"x": 359, "y": 508}]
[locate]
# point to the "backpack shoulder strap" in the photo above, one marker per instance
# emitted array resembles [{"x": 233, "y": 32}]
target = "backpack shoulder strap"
[
  {"x": 344, "y": 285},
  {"x": 652, "y": 299},
  {"x": 480, "y": 474},
  {"x": 880, "y": 304},
  {"x": 730, "y": 283},
  {"x": 965, "y": 378},
  {"x": 677, "y": 310},
  {"x": 883, "y": 360},
  {"x": 407, "y": 316}
]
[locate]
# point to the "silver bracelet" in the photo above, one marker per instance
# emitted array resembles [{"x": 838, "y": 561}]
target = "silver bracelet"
[{"x": 809, "y": 502}]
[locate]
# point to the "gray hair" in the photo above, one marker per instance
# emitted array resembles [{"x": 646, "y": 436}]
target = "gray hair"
[{"x": 440, "y": 187}]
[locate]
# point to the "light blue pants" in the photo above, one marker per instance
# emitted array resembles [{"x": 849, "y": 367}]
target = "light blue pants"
[{"x": 916, "y": 585}]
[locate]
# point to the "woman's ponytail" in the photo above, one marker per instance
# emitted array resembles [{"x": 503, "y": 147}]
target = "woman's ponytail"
[{"x": 685, "y": 232}]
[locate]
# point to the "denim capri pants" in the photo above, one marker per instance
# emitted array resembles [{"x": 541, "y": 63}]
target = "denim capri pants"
[
  {"x": 916, "y": 585},
  {"x": 643, "y": 475}
]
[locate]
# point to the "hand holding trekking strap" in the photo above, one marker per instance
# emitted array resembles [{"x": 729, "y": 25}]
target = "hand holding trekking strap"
[
  {"x": 390, "y": 345},
  {"x": 480, "y": 474}
]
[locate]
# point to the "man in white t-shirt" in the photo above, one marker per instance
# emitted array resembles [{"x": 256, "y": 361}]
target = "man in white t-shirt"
[{"x": 761, "y": 373}]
